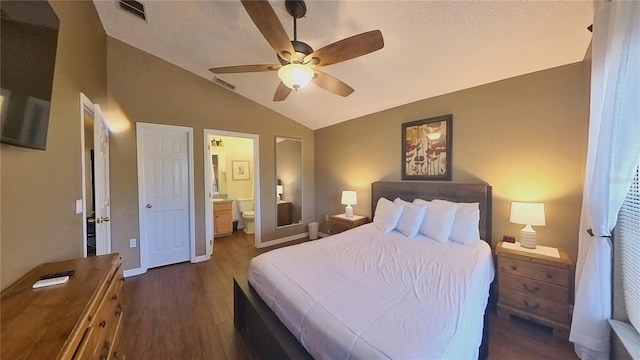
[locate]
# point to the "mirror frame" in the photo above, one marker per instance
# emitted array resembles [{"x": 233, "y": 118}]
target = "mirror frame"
[{"x": 277, "y": 179}]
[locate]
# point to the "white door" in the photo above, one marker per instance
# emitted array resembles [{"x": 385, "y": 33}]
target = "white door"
[
  {"x": 164, "y": 163},
  {"x": 102, "y": 191}
]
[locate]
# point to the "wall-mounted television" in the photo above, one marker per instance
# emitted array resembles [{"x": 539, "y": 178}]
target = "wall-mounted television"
[{"x": 29, "y": 38}]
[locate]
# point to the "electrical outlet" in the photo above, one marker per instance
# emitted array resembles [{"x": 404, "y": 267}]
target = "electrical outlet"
[{"x": 132, "y": 243}]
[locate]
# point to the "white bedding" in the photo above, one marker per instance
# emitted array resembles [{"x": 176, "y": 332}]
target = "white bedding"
[{"x": 364, "y": 294}]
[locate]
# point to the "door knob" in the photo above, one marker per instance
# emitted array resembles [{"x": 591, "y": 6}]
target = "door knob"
[
  {"x": 149, "y": 206},
  {"x": 105, "y": 219}
]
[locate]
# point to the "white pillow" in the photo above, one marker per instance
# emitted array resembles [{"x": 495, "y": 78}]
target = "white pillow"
[
  {"x": 411, "y": 218},
  {"x": 386, "y": 215},
  {"x": 465, "y": 228},
  {"x": 438, "y": 220}
]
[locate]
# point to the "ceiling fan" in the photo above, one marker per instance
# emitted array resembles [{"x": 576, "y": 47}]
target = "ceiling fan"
[{"x": 299, "y": 63}]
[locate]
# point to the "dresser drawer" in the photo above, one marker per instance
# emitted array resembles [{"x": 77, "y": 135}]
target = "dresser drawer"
[
  {"x": 108, "y": 315},
  {"x": 555, "y": 293},
  {"x": 548, "y": 274},
  {"x": 535, "y": 305}
]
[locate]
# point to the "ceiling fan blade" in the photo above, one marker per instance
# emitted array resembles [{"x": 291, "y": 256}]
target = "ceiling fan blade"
[
  {"x": 269, "y": 25},
  {"x": 332, "y": 84},
  {"x": 245, "y": 68},
  {"x": 281, "y": 92},
  {"x": 348, "y": 48}
]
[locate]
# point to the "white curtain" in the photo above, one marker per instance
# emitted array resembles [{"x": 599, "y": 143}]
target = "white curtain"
[{"x": 613, "y": 154}]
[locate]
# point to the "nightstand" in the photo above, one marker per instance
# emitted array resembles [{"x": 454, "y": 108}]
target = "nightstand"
[
  {"x": 535, "y": 287},
  {"x": 340, "y": 223}
]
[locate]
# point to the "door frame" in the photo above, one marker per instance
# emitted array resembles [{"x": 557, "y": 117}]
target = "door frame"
[
  {"x": 87, "y": 107},
  {"x": 208, "y": 210},
  {"x": 141, "y": 128}
]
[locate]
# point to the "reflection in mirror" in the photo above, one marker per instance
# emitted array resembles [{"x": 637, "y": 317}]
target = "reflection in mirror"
[{"x": 288, "y": 181}]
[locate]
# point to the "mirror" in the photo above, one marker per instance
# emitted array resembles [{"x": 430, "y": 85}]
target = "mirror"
[{"x": 288, "y": 181}]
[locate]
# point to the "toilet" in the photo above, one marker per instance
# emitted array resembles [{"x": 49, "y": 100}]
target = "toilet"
[{"x": 246, "y": 208}]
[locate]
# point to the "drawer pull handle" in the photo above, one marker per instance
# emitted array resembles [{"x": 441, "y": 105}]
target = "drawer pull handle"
[
  {"x": 122, "y": 279},
  {"x": 514, "y": 268},
  {"x": 103, "y": 323},
  {"x": 116, "y": 356},
  {"x": 107, "y": 346},
  {"x": 529, "y": 306},
  {"x": 114, "y": 297},
  {"x": 103, "y": 357},
  {"x": 118, "y": 313},
  {"x": 549, "y": 276},
  {"x": 532, "y": 290}
]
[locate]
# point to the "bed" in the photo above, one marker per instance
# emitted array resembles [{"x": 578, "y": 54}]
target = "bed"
[{"x": 362, "y": 293}]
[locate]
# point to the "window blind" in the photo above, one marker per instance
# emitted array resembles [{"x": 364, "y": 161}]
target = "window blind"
[{"x": 629, "y": 237}]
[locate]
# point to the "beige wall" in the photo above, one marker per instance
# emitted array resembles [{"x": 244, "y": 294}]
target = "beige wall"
[
  {"x": 525, "y": 136},
  {"x": 143, "y": 88},
  {"x": 39, "y": 188}
]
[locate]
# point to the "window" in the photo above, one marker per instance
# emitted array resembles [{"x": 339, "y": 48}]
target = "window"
[{"x": 629, "y": 237}]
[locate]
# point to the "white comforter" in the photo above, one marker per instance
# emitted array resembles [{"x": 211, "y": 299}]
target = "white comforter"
[{"x": 364, "y": 294}]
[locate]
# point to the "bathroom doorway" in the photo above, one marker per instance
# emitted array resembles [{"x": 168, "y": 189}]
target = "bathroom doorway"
[{"x": 232, "y": 181}]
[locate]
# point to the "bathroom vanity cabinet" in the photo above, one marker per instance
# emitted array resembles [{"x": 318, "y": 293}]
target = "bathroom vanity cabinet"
[{"x": 222, "y": 218}]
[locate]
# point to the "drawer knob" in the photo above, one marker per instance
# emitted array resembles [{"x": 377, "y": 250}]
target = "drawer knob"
[
  {"x": 114, "y": 297},
  {"x": 122, "y": 279},
  {"x": 514, "y": 268},
  {"x": 103, "y": 323},
  {"x": 529, "y": 289},
  {"x": 529, "y": 306},
  {"x": 107, "y": 345},
  {"x": 103, "y": 357},
  {"x": 118, "y": 313}
]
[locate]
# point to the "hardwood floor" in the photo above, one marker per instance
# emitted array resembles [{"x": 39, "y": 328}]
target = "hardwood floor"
[{"x": 185, "y": 311}]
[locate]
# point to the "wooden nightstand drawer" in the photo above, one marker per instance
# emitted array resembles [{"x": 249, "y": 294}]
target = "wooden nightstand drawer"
[
  {"x": 559, "y": 294},
  {"x": 340, "y": 223},
  {"x": 548, "y": 274},
  {"x": 535, "y": 305}
]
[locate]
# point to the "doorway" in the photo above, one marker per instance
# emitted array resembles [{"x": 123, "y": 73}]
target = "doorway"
[
  {"x": 96, "y": 194},
  {"x": 226, "y": 156},
  {"x": 165, "y": 188}
]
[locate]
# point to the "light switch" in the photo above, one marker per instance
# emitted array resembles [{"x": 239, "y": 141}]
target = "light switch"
[{"x": 79, "y": 206}]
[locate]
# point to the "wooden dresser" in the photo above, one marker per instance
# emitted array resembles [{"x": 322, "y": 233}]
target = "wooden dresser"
[
  {"x": 339, "y": 223},
  {"x": 285, "y": 213},
  {"x": 222, "y": 218},
  {"x": 535, "y": 287},
  {"x": 81, "y": 319}
]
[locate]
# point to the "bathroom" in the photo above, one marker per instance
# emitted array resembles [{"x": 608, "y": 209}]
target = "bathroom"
[{"x": 232, "y": 184}]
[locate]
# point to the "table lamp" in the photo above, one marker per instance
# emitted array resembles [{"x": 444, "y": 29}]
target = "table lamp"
[
  {"x": 527, "y": 214},
  {"x": 348, "y": 198},
  {"x": 279, "y": 191}
]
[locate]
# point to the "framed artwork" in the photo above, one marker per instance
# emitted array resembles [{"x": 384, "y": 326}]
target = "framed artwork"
[
  {"x": 426, "y": 150},
  {"x": 240, "y": 170}
]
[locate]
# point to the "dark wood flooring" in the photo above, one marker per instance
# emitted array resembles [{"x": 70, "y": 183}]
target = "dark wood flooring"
[{"x": 185, "y": 311}]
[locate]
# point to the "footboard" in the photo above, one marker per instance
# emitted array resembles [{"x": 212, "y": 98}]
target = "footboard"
[{"x": 270, "y": 337}]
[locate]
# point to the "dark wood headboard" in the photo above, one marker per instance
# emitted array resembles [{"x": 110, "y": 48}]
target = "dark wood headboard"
[{"x": 480, "y": 193}]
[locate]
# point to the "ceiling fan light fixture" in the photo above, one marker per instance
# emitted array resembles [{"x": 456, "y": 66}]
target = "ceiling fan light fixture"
[{"x": 295, "y": 76}]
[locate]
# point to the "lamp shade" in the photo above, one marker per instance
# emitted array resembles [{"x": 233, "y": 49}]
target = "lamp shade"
[
  {"x": 279, "y": 189},
  {"x": 295, "y": 76},
  {"x": 527, "y": 213},
  {"x": 349, "y": 197}
]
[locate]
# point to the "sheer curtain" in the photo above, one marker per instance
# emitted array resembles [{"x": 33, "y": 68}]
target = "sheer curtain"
[{"x": 614, "y": 149}]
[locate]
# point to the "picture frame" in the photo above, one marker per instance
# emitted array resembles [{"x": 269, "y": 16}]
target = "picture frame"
[
  {"x": 240, "y": 170},
  {"x": 426, "y": 149}
]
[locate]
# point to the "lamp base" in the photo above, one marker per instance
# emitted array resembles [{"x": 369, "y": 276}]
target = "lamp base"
[
  {"x": 528, "y": 238},
  {"x": 348, "y": 212}
]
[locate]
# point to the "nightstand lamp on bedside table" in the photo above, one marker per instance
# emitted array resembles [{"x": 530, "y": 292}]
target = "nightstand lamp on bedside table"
[
  {"x": 349, "y": 198},
  {"x": 527, "y": 214}
]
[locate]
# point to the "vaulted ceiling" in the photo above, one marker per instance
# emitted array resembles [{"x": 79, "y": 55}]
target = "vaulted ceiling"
[{"x": 431, "y": 47}]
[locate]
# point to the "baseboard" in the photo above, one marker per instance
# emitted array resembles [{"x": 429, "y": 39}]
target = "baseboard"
[
  {"x": 200, "y": 258},
  {"x": 133, "y": 272},
  {"x": 283, "y": 240},
  {"x": 321, "y": 234}
]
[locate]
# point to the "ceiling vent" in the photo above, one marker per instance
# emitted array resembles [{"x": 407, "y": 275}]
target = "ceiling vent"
[
  {"x": 133, "y": 7},
  {"x": 224, "y": 84}
]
